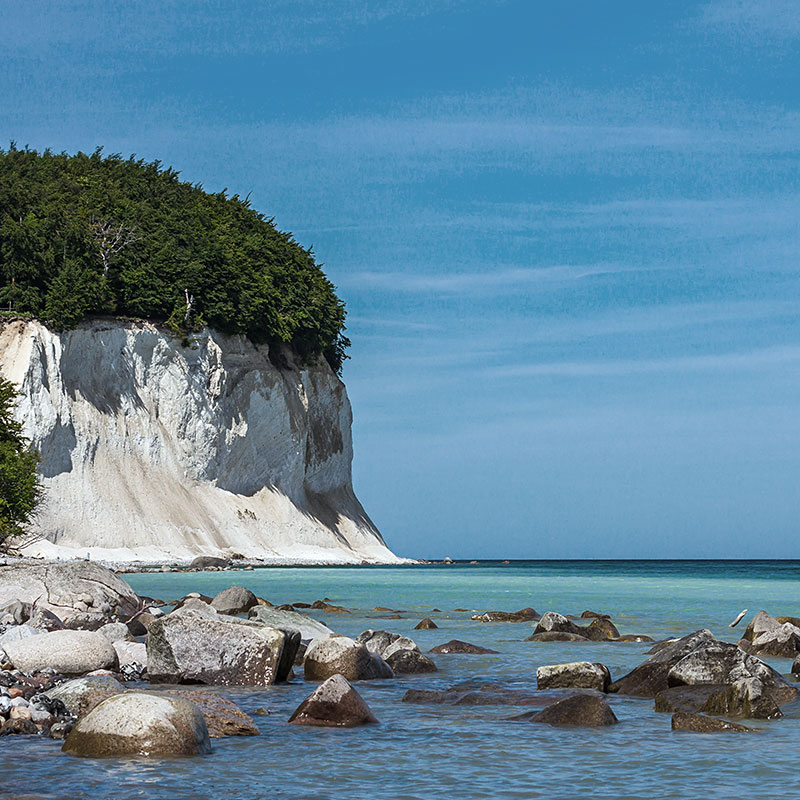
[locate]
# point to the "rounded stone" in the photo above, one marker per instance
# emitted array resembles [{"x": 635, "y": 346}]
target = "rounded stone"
[{"x": 141, "y": 724}]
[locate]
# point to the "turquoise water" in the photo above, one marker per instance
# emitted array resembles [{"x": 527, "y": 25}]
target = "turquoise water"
[{"x": 467, "y": 752}]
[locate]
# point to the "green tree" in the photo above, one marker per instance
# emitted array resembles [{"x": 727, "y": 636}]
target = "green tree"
[{"x": 20, "y": 489}]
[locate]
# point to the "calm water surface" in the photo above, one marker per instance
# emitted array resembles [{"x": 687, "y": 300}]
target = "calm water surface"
[{"x": 470, "y": 752}]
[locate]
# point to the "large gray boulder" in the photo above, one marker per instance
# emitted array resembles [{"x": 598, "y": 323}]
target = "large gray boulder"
[
  {"x": 81, "y": 695},
  {"x": 782, "y": 641},
  {"x": 575, "y": 675},
  {"x": 744, "y": 698},
  {"x": 66, "y": 588},
  {"x": 341, "y": 655},
  {"x": 131, "y": 653},
  {"x": 67, "y": 652},
  {"x": 140, "y": 724},
  {"x": 725, "y": 663},
  {"x": 399, "y": 652},
  {"x": 309, "y": 627},
  {"x": 333, "y": 704},
  {"x": 187, "y": 647},
  {"x": 234, "y": 600},
  {"x": 650, "y": 677}
]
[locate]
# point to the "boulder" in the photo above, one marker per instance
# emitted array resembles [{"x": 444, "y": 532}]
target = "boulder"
[
  {"x": 699, "y": 723},
  {"x": 555, "y": 622},
  {"x": 187, "y": 647},
  {"x": 691, "y": 699},
  {"x": 455, "y": 646},
  {"x": 207, "y": 562},
  {"x": 333, "y": 704},
  {"x": 782, "y": 641},
  {"x": 140, "y": 724},
  {"x": 634, "y": 637},
  {"x": 131, "y": 653},
  {"x": 725, "y": 663},
  {"x": 594, "y": 615},
  {"x": 222, "y": 716},
  {"x": 81, "y": 695},
  {"x": 650, "y": 677},
  {"x": 234, "y": 600},
  {"x": 523, "y": 615},
  {"x": 588, "y": 710},
  {"x": 17, "y": 633},
  {"x": 67, "y": 587},
  {"x": 399, "y": 652},
  {"x": 761, "y": 623},
  {"x": 601, "y": 625},
  {"x": 19, "y": 611},
  {"x": 339, "y": 654},
  {"x": 45, "y": 620},
  {"x": 475, "y": 693},
  {"x": 24, "y": 727},
  {"x": 67, "y": 652},
  {"x": 426, "y": 624},
  {"x": 115, "y": 632},
  {"x": 745, "y": 698},
  {"x": 309, "y": 627},
  {"x": 575, "y": 675}
]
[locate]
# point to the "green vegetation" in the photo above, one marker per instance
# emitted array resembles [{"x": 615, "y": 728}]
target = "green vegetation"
[
  {"x": 19, "y": 483},
  {"x": 89, "y": 235}
]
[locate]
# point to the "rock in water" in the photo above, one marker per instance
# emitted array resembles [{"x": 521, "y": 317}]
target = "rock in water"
[
  {"x": 333, "y": 704},
  {"x": 588, "y": 710},
  {"x": 456, "y": 646},
  {"x": 167, "y": 452},
  {"x": 577, "y": 675},
  {"x": 426, "y": 624},
  {"x": 399, "y": 652},
  {"x": 186, "y": 647},
  {"x": 333, "y": 655},
  {"x": 234, "y": 600},
  {"x": 698, "y": 723},
  {"x": 67, "y": 588},
  {"x": 523, "y": 615},
  {"x": 67, "y": 652},
  {"x": 223, "y": 717},
  {"x": 140, "y": 724},
  {"x": 309, "y": 627},
  {"x": 81, "y": 695}
]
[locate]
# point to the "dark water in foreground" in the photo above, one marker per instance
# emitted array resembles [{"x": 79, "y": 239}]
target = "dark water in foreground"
[{"x": 421, "y": 752}]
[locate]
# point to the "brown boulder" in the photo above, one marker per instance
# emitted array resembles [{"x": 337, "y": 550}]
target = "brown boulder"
[
  {"x": 223, "y": 717},
  {"x": 589, "y": 710},
  {"x": 456, "y": 646},
  {"x": 333, "y": 704},
  {"x": 699, "y": 723}
]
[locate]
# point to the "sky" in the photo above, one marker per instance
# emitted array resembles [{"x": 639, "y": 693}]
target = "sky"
[{"x": 567, "y": 235}]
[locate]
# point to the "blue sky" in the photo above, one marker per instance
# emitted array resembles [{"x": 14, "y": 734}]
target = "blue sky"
[{"x": 567, "y": 235}]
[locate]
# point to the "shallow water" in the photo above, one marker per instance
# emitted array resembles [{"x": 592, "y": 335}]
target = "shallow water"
[{"x": 467, "y": 752}]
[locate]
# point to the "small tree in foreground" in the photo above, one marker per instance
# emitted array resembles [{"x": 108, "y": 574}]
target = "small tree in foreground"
[{"x": 20, "y": 489}]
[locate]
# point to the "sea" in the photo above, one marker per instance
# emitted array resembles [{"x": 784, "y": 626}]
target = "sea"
[{"x": 421, "y": 752}]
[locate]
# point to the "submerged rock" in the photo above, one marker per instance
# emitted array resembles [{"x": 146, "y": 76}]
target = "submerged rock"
[
  {"x": 334, "y": 704},
  {"x": 68, "y": 652},
  {"x": 699, "y": 723},
  {"x": 222, "y": 716},
  {"x": 341, "y": 655},
  {"x": 141, "y": 724},
  {"x": 523, "y": 615},
  {"x": 587, "y": 710},
  {"x": 454, "y": 646},
  {"x": 575, "y": 675},
  {"x": 187, "y": 647}
]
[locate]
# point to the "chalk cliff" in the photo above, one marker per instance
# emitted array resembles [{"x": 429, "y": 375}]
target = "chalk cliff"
[{"x": 156, "y": 449}]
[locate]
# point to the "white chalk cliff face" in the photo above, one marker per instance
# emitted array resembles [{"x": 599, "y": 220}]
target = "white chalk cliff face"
[{"x": 152, "y": 450}]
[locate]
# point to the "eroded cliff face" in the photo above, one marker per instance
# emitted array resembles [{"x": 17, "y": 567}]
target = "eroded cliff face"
[{"x": 153, "y": 450}]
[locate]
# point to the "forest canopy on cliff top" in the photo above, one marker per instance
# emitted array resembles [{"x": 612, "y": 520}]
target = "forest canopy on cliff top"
[{"x": 84, "y": 235}]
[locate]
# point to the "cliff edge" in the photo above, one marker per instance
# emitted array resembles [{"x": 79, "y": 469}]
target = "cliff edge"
[{"x": 157, "y": 449}]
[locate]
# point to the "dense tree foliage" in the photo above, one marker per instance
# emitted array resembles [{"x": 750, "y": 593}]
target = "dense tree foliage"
[
  {"x": 88, "y": 234},
  {"x": 19, "y": 483}
]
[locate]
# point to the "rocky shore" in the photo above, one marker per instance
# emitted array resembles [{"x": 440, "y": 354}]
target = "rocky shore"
[{"x": 86, "y": 660}]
